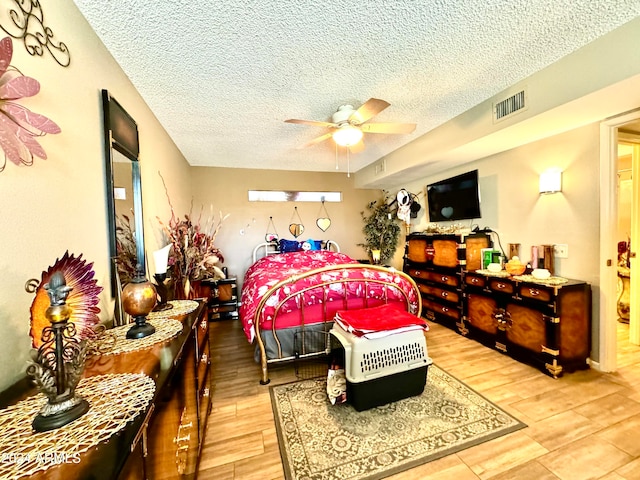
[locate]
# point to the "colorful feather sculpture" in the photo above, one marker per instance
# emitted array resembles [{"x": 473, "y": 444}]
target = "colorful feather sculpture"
[
  {"x": 19, "y": 126},
  {"x": 83, "y": 298}
]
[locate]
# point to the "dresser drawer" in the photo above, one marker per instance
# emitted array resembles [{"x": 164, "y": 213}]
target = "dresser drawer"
[
  {"x": 445, "y": 253},
  {"x": 500, "y": 285},
  {"x": 202, "y": 333},
  {"x": 536, "y": 292},
  {"x": 203, "y": 366},
  {"x": 204, "y": 406},
  {"x": 439, "y": 292},
  {"x": 440, "y": 309},
  {"x": 417, "y": 250},
  {"x": 475, "y": 280},
  {"x": 445, "y": 279}
]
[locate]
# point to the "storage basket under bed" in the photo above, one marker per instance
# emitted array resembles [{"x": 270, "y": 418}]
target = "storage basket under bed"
[{"x": 383, "y": 370}]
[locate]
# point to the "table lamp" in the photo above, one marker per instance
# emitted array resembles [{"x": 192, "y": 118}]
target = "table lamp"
[{"x": 164, "y": 284}]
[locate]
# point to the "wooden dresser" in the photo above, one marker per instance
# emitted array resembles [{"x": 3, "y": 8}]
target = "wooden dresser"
[
  {"x": 545, "y": 325},
  {"x": 164, "y": 442}
]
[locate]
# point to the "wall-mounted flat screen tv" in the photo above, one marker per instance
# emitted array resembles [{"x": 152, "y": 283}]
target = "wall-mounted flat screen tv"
[{"x": 455, "y": 198}]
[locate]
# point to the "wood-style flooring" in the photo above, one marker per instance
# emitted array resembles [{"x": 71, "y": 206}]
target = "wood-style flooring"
[{"x": 585, "y": 425}]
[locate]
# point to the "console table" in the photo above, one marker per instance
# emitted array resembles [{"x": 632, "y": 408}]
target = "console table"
[{"x": 166, "y": 439}]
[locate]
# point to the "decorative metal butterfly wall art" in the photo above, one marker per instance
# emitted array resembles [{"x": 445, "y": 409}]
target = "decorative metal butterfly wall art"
[{"x": 19, "y": 126}]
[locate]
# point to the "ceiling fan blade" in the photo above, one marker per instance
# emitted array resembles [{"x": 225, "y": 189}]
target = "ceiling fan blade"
[
  {"x": 388, "y": 127},
  {"x": 368, "y": 110},
  {"x": 319, "y": 139},
  {"x": 357, "y": 148},
  {"x": 312, "y": 122}
]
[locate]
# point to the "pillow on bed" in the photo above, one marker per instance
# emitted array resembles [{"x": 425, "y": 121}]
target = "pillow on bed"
[{"x": 287, "y": 246}]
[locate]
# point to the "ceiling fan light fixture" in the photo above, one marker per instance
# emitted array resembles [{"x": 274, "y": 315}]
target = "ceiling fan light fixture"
[{"x": 347, "y": 135}]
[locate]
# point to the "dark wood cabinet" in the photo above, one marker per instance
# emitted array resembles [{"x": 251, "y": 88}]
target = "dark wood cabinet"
[
  {"x": 175, "y": 433},
  {"x": 223, "y": 302},
  {"x": 165, "y": 441},
  {"x": 546, "y": 325}
]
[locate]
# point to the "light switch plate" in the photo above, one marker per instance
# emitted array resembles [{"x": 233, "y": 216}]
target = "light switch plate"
[{"x": 561, "y": 250}]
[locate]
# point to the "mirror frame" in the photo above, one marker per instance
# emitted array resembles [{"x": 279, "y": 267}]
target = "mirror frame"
[{"x": 121, "y": 134}]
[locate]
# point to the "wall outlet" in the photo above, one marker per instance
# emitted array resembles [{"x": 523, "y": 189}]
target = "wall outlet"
[{"x": 561, "y": 250}]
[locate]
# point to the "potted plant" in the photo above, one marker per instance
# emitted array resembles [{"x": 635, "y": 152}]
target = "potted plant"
[{"x": 381, "y": 230}]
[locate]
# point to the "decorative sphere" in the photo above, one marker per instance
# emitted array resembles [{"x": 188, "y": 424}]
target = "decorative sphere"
[{"x": 139, "y": 298}]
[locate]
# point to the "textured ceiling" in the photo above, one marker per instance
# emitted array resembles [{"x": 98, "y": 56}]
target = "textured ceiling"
[{"x": 223, "y": 75}]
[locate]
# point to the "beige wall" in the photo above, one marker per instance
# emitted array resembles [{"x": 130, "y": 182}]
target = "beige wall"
[
  {"x": 58, "y": 204},
  {"x": 226, "y": 190}
]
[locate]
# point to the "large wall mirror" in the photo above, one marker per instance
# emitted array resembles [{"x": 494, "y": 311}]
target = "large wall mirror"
[{"x": 124, "y": 190}]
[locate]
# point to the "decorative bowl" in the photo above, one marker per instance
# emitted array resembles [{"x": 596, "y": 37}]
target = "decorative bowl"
[
  {"x": 515, "y": 268},
  {"x": 494, "y": 267},
  {"x": 541, "y": 273}
]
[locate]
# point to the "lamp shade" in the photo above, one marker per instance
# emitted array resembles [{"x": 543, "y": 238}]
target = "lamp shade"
[
  {"x": 161, "y": 259},
  {"x": 551, "y": 181},
  {"x": 347, "y": 135}
]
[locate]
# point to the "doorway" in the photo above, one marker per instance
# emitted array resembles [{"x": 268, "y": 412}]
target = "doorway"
[
  {"x": 628, "y": 338},
  {"x": 623, "y": 131}
]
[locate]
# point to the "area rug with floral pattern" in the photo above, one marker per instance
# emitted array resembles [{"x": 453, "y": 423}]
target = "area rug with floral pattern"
[{"x": 319, "y": 440}]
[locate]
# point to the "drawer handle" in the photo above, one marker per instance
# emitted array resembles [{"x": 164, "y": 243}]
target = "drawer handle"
[
  {"x": 444, "y": 294},
  {"x": 534, "y": 292},
  {"x": 445, "y": 278},
  {"x": 474, "y": 280},
  {"x": 203, "y": 324},
  {"x": 180, "y": 439},
  {"x": 501, "y": 285},
  {"x": 204, "y": 358},
  {"x": 445, "y": 309},
  {"x": 205, "y": 392}
]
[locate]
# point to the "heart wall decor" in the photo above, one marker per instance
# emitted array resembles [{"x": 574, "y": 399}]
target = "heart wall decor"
[
  {"x": 323, "y": 223},
  {"x": 296, "y": 229}
]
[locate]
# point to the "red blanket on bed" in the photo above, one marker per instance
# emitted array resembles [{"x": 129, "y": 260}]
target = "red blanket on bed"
[{"x": 268, "y": 271}]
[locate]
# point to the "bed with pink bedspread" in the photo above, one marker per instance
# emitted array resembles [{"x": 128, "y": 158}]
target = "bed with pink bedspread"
[{"x": 289, "y": 300}]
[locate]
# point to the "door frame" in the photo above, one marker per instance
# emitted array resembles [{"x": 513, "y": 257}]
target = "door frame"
[{"x": 608, "y": 252}]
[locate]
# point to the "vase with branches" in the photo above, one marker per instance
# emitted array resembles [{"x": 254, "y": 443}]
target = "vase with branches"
[
  {"x": 381, "y": 230},
  {"x": 193, "y": 255}
]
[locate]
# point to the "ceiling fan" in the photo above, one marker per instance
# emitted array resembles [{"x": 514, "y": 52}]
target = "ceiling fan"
[{"x": 348, "y": 125}]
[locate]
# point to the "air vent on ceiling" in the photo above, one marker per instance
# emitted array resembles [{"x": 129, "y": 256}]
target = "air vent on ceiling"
[{"x": 510, "y": 106}]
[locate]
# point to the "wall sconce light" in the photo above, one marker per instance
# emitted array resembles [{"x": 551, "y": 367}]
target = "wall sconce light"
[{"x": 551, "y": 181}]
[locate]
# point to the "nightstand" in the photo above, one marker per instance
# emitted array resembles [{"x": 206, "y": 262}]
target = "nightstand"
[{"x": 223, "y": 304}]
